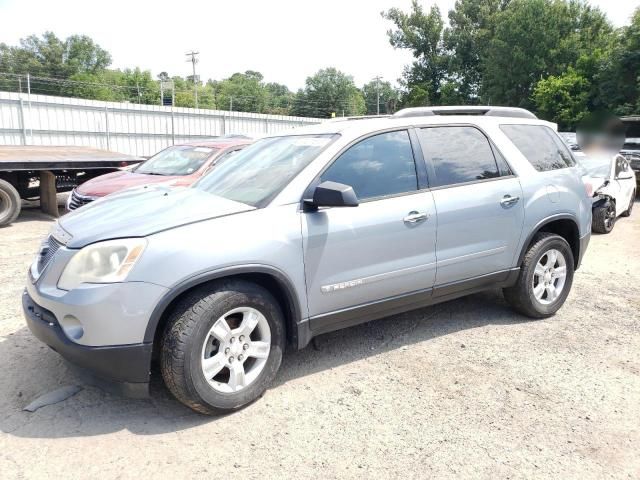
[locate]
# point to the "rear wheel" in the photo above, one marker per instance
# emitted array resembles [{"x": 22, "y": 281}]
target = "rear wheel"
[
  {"x": 10, "y": 203},
  {"x": 627, "y": 212},
  {"x": 604, "y": 218},
  {"x": 223, "y": 346},
  {"x": 545, "y": 279}
]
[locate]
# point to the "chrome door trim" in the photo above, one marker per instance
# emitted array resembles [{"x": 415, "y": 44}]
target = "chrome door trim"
[{"x": 357, "y": 282}]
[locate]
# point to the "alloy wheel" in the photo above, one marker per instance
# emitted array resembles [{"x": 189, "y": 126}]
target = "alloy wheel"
[
  {"x": 236, "y": 349},
  {"x": 549, "y": 277}
]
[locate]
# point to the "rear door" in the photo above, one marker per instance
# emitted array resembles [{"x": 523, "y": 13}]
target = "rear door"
[
  {"x": 383, "y": 248},
  {"x": 478, "y": 200}
]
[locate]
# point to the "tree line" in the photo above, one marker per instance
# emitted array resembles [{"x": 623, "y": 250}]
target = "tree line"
[
  {"x": 563, "y": 59},
  {"x": 78, "y": 67}
]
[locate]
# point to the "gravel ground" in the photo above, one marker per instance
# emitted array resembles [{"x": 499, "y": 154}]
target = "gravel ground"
[{"x": 463, "y": 389}]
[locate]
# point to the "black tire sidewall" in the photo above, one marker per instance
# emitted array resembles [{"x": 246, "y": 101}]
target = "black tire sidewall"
[
  {"x": 9, "y": 214},
  {"x": 557, "y": 243},
  {"x": 224, "y": 302}
]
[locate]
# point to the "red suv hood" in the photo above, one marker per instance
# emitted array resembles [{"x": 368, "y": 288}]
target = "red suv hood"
[{"x": 116, "y": 181}]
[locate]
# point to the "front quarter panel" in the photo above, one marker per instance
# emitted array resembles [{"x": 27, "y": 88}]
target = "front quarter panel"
[{"x": 268, "y": 237}]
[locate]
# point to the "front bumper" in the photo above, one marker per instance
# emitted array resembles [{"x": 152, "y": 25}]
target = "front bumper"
[{"x": 121, "y": 368}]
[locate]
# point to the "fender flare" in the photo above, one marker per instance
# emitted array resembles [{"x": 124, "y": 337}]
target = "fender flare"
[
  {"x": 295, "y": 313},
  {"x": 542, "y": 223}
]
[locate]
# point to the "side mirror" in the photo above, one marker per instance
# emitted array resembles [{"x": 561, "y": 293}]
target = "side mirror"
[
  {"x": 333, "y": 194},
  {"x": 625, "y": 175}
]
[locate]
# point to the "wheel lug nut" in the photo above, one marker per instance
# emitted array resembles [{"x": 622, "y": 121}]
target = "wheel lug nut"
[
  {"x": 227, "y": 350},
  {"x": 232, "y": 339},
  {"x": 230, "y": 359},
  {"x": 240, "y": 358},
  {"x": 245, "y": 346},
  {"x": 241, "y": 338}
]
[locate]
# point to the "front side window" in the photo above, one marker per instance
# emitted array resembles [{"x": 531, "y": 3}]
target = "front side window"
[
  {"x": 258, "y": 172},
  {"x": 540, "y": 145},
  {"x": 178, "y": 160},
  {"x": 378, "y": 166},
  {"x": 459, "y": 155}
]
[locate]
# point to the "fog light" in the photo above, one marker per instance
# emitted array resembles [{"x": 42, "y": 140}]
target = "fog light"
[{"x": 72, "y": 327}]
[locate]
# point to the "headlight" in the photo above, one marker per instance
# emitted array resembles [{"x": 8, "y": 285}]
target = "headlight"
[{"x": 104, "y": 262}]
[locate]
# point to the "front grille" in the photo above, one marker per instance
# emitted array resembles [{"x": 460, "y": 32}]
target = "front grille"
[
  {"x": 78, "y": 200},
  {"x": 47, "y": 251}
]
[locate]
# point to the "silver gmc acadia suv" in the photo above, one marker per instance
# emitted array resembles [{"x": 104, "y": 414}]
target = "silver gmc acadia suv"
[{"x": 304, "y": 233}]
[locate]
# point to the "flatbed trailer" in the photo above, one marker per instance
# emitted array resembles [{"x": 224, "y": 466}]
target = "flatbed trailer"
[{"x": 31, "y": 172}]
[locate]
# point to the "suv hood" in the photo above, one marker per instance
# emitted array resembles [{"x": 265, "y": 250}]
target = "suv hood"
[{"x": 142, "y": 211}]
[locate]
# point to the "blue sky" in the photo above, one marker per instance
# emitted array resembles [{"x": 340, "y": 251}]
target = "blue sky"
[{"x": 286, "y": 40}]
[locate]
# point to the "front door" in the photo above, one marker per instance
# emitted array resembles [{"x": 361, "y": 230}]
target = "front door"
[{"x": 382, "y": 248}]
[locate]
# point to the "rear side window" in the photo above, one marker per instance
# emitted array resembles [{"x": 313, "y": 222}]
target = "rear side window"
[
  {"x": 459, "y": 155},
  {"x": 377, "y": 166},
  {"x": 540, "y": 145}
]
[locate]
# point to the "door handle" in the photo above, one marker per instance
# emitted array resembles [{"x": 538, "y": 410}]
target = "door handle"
[
  {"x": 415, "y": 217},
  {"x": 508, "y": 201}
]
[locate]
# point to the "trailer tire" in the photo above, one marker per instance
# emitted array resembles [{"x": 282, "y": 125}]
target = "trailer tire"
[{"x": 10, "y": 203}]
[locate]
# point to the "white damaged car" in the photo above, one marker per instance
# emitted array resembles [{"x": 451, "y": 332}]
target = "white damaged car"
[{"x": 612, "y": 184}]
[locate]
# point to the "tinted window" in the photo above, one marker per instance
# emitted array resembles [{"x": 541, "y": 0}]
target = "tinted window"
[
  {"x": 542, "y": 147},
  {"x": 378, "y": 166},
  {"x": 458, "y": 154}
]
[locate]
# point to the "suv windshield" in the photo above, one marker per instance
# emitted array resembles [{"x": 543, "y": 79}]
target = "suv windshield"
[
  {"x": 257, "y": 173},
  {"x": 178, "y": 160}
]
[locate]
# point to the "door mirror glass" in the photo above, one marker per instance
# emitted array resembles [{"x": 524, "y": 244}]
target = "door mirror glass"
[{"x": 333, "y": 194}]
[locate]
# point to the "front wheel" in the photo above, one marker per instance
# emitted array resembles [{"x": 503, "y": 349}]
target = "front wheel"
[
  {"x": 223, "y": 346},
  {"x": 545, "y": 279}
]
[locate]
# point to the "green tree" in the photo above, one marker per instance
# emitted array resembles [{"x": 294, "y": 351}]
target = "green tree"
[
  {"x": 618, "y": 79},
  {"x": 421, "y": 33},
  {"x": 52, "y": 57},
  {"x": 535, "y": 39},
  {"x": 563, "y": 99},
  {"x": 329, "y": 92},
  {"x": 467, "y": 39},
  {"x": 241, "y": 92},
  {"x": 389, "y": 97}
]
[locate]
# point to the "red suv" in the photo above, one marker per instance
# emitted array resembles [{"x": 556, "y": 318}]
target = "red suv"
[{"x": 178, "y": 165}]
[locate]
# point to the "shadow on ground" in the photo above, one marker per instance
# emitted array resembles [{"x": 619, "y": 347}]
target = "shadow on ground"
[{"x": 32, "y": 369}]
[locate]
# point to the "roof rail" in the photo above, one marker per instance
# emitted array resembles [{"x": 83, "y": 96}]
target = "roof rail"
[
  {"x": 357, "y": 117},
  {"x": 465, "y": 110}
]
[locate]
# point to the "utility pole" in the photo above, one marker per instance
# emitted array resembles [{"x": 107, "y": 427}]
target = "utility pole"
[
  {"x": 377, "y": 79},
  {"x": 193, "y": 61}
]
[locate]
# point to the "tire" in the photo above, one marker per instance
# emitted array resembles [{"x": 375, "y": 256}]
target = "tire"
[
  {"x": 604, "y": 218},
  {"x": 627, "y": 212},
  {"x": 190, "y": 340},
  {"x": 10, "y": 203},
  {"x": 522, "y": 295}
]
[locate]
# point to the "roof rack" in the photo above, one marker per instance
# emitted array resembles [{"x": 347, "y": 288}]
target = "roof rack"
[
  {"x": 357, "y": 117},
  {"x": 465, "y": 110}
]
